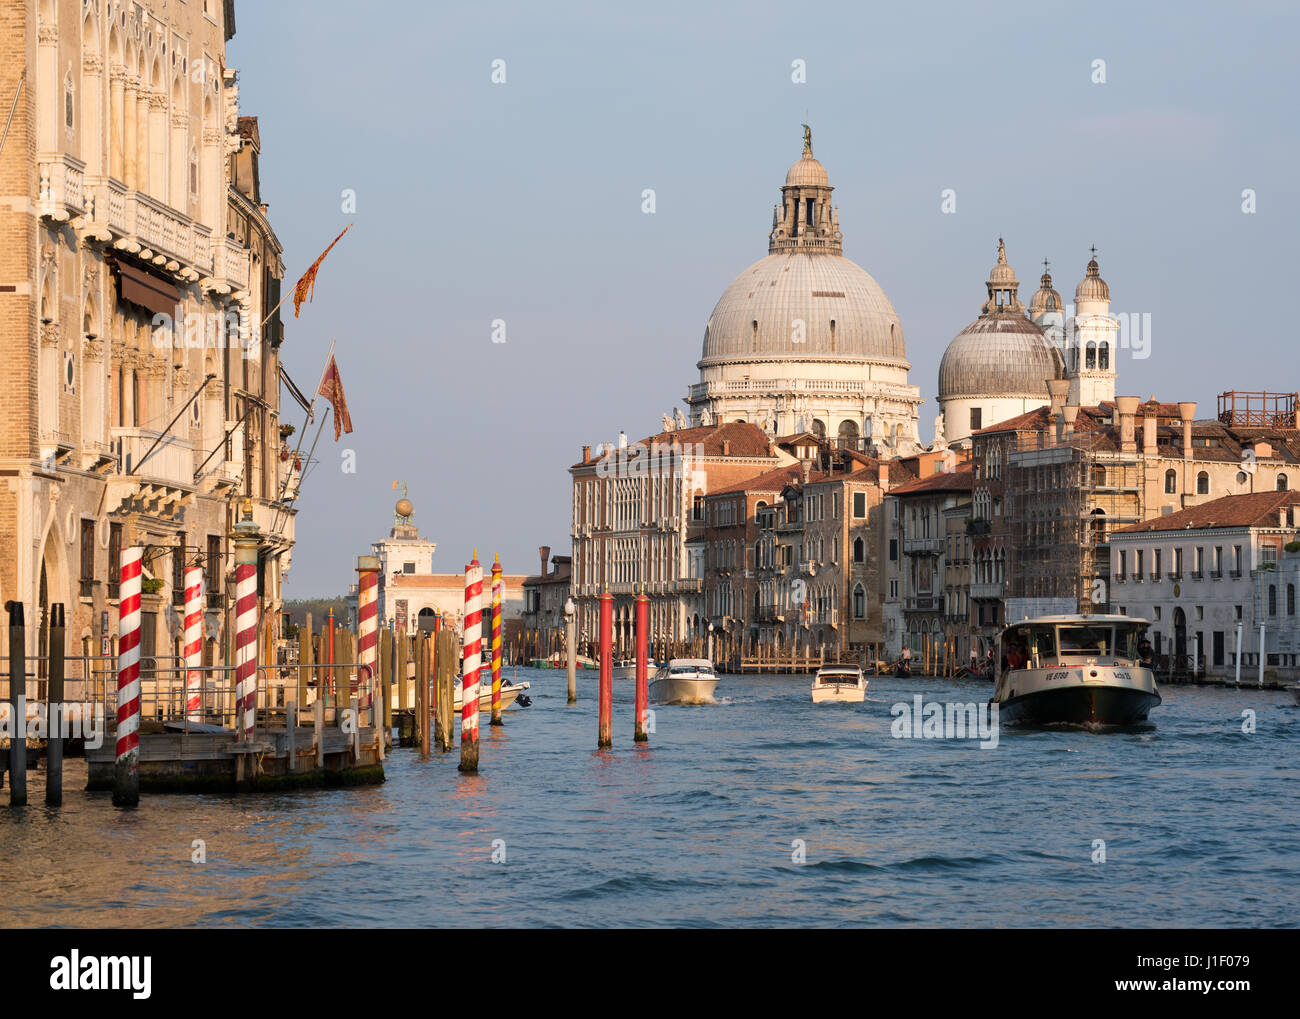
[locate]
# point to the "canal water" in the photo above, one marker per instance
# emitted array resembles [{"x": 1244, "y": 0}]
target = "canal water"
[{"x": 1200, "y": 823}]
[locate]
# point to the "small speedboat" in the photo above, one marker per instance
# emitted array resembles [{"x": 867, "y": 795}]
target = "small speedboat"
[
  {"x": 510, "y": 692},
  {"x": 1084, "y": 670},
  {"x": 625, "y": 668},
  {"x": 685, "y": 681},
  {"x": 843, "y": 683}
]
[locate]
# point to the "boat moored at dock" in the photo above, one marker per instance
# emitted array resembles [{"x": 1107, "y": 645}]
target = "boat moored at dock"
[{"x": 1083, "y": 670}]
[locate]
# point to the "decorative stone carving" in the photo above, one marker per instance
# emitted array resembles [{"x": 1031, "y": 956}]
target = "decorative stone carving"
[
  {"x": 50, "y": 334},
  {"x": 93, "y": 350}
]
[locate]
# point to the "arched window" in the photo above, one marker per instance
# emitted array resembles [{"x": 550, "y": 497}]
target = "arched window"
[
  {"x": 1090, "y": 357},
  {"x": 1171, "y": 481},
  {"x": 859, "y": 550},
  {"x": 1281, "y": 483},
  {"x": 859, "y": 602},
  {"x": 819, "y": 428},
  {"x": 1203, "y": 483},
  {"x": 848, "y": 434},
  {"x": 1103, "y": 356}
]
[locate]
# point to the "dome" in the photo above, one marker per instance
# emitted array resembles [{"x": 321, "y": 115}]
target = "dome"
[
  {"x": 1046, "y": 300},
  {"x": 807, "y": 172},
  {"x": 1092, "y": 287},
  {"x": 753, "y": 318},
  {"x": 996, "y": 356},
  {"x": 1002, "y": 273}
]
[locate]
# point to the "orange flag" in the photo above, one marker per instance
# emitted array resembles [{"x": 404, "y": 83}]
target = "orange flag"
[
  {"x": 331, "y": 387},
  {"x": 306, "y": 287}
]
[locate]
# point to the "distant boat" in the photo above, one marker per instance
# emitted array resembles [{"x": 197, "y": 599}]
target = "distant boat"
[
  {"x": 561, "y": 661},
  {"x": 626, "y": 669},
  {"x": 685, "y": 681},
  {"x": 842, "y": 683}
]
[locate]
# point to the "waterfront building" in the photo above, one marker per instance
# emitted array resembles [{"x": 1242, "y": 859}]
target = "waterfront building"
[
  {"x": 545, "y": 595},
  {"x": 138, "y": 277},
  {"x": 636, "y": 509},
  {"x": 920, "y": 551},
  {"x": 805, "y": 339},
  {"x": 1052, "y": 486},
  {"x": 410, "y": 594},
  {"x": 1203, "y": 572}
]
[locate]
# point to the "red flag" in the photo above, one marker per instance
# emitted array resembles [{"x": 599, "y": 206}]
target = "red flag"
[
  {"x": 331, "y": 387},
  {"x": 306, "y": 286}
]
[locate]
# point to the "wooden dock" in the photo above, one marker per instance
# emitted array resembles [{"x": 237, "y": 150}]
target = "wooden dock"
[{"x": 217, "y": 762}]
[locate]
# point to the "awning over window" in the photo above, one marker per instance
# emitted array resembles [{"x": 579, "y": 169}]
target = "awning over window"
[{"x": 147, "y": 290}]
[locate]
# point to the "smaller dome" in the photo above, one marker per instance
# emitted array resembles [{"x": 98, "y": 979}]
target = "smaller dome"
[
  {"x": 1045, "y": 300},
  {"x": 1092, "y": 287},
  {"x": 807, "y": 172},
  {"x": 997, "y": 356}
]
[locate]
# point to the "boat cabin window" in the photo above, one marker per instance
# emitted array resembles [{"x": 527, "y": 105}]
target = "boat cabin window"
[
  {"x": 1086, "y": 640},
  {"x": 1043, "y": 643},
  {"x": 1132, "y": 637}
]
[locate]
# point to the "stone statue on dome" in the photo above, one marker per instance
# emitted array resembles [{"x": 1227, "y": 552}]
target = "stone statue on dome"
[{"x": 807, "y": 141}]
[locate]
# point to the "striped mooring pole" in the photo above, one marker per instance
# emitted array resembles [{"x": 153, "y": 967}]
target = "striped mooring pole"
[
  {"x": 368, "y": 615},
  {"x": 472, "y": 663},
  {"x": 605, "y": 737},
  {"x": 642, "y": 664},
  {"x": 246, "y": 624},
  {"x": 193, "y": 643},
  {"x": 497, "y": 588},
  {"x": 126, "y": 767}
]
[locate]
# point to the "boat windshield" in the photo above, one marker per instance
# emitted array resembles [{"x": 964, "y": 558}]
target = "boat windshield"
[
  {"x": 1087, "y": 640},
  {"x": 840, "y": 677},
  {"x": 689, "y": 670}
]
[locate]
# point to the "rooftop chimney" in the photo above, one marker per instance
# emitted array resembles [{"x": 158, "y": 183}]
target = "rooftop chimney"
[
  {"x": 882, "y": 473},
  {"x": 622, "y": 440},
  {"x": 726, "y": 447},
  {"x": 1149, "y": 434},
  {"x": 586, "y": 453},
  {"x": 1187, "y": 411},
  {"x": 807, "y": 469},
  {"x": 1071, "y": 414},
  {"x": 1058, "y": 389},
  {"x": 1127, "y": 406},
  {"x": 545, "y": 552}
]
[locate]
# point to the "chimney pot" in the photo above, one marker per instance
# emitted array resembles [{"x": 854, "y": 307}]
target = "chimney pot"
[
  {"x": 1127, "y": 408},
  {"x": 545, "y": 552},
  {"x": 586, "y": 453},
  {"x": 882, "y": 472}
]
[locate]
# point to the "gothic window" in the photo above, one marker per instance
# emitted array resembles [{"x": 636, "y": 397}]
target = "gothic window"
[
  {"x": 859, "y": 602},
  {"x": 68, "y": 106},
  {"x": 859, "y": 550}
]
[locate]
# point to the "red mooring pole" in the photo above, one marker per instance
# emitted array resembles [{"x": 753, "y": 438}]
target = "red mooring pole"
[
  {"x": 642, "y": 665},
  {"x": 606, "y": 737}
]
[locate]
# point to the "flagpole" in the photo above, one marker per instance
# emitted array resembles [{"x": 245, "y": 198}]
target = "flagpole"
[
  {"x": 295, "y": 289},
  {"x": 284, "y": 506},
  {"x": 310, "y": 416}
]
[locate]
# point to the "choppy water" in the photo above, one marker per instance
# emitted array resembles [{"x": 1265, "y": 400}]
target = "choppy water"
[{"x": 1199, "y": 819}]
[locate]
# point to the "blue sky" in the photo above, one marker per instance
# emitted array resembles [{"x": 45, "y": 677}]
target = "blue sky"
[{"x": 521, "y": 201}]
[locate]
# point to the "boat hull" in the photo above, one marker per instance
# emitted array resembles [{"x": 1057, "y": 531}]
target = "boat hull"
[
  {"x": 1080, "y": 705},
  {"x": 839, "y": 694},
  {"x": 682, "y": 691},
  {"x": 508, "y": 696}
]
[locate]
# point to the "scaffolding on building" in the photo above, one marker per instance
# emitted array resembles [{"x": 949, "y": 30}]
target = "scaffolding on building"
[{"x": 1066, "y": 494}]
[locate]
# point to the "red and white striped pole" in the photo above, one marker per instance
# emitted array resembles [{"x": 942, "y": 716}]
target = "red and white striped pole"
[
  {"x": 246, "y": 624},
  {"x": 193, "y": 643},
  {"x": 368, "y": 639},
  {"x": 126, "y": 769},
  {"x": 471, "y": 665},
  {"x": 605, "y": 737},
  {"x": 497, "y": 588}
]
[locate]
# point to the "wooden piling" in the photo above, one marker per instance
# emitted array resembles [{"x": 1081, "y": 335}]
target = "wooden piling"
[
  {"x": 305, "y": 661},
  {"x": 55, "y": 709},
  {"x": 445, "y": 664},
  {"x": 402, "y": 658},
  {"x": 17, "y": 705},
  {"x": 354, "y": 706},
  {"x": 291, "y": 733},
  {"x": 318, "y": 724},
  {"x": 422, "y": 692}
]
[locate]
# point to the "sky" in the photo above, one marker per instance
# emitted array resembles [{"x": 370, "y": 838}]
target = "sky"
[{"x": 520, "y": 202}]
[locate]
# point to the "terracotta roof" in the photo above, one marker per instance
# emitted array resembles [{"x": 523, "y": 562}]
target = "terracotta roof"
[
  {"x": 747, "y": 440},
  {"x": 960, "y": 480},
  {"x": 1257, "y": 509},
  {"x": 768, "y": 481}
]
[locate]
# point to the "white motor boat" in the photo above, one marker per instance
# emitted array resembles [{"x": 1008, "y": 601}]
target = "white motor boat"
[
  {"x": 1087, "y": 670},
  {"x": 509, "y": 694},
  {"x": 625, "y": 668},
  {"x": 685, "y": 681},
  {"x": 843, "y": 683}
]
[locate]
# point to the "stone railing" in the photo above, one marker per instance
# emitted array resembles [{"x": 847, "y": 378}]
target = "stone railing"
[
  {"x": 61, "y": 191},
  {"x": 171, "y": 462}
]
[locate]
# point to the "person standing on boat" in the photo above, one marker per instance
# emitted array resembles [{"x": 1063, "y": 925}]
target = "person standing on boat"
[{"x": 907, "y": 655}]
